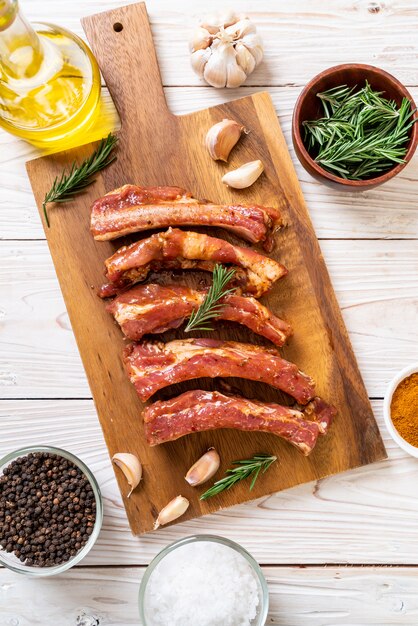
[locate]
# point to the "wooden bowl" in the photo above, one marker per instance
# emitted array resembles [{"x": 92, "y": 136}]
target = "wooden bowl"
[{"x": 309, "y": 107}]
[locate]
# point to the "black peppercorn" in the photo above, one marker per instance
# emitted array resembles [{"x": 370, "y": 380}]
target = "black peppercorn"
[{"x": 47, "y": 509}]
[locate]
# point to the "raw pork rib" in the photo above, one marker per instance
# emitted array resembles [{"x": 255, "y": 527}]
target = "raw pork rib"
[
  {"x": 178, "y": 249},
  {"x": 133, "y": 209},
  {"x": 154, "y": 365},
  {"x": 155, "y": 308},
  {"x": 196, "y": 411}
]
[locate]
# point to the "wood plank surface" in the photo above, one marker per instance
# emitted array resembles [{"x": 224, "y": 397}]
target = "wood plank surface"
[
  {"x": 389, "y": 211},
  {"x": 159, "y": 148},
  {"x": 366, "y": 515},
  {"x": 376, "y": 283},
  {"x": 298, "y": 597},
  {"x": 301, "y": 38}
]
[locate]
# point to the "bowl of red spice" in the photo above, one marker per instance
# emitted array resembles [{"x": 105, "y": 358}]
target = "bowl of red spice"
[
  {"x": 51, "y": 510},
  {"x": 400, "y": 409}
]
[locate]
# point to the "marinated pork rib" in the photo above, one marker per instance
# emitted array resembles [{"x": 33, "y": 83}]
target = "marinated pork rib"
[
  {"x": 133, "y": 209},
  {"x": 196, "y": 411},
  {"x": 178, "y": 249},
  {"x": 155, "y": 308},
  {"x": 154, "y": 365}
]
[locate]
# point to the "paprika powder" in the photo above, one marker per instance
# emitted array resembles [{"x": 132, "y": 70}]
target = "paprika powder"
[{"x": 404, "y": 409}]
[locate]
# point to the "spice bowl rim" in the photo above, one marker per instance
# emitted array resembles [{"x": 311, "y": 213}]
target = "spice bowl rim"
[
  {"x": 264, "y": 597},
  {"x": 392, "y": 386},
  {"x": 13, "y": 563},
  {"x": 309, "y": 163}
]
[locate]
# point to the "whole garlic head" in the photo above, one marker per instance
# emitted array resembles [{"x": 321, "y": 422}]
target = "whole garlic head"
[{"x": 225, "y": 50}]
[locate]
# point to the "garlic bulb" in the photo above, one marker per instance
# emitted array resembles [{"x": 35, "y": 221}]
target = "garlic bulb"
[{"x": 225, "y": 50}]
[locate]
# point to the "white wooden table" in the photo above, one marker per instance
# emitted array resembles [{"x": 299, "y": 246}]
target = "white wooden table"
[{"x": 340, "y": 551}]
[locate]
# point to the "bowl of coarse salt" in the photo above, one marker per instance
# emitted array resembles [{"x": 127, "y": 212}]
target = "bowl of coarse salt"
[{"x": 203, "y": 580}]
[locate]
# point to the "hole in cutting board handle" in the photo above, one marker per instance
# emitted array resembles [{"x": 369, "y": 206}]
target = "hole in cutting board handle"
[{"x": 117, "y": 27}]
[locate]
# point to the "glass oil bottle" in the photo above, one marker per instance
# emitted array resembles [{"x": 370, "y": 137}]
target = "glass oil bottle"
[{"x": 49, "y": 81}]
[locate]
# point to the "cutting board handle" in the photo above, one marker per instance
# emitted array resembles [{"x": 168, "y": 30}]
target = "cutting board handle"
[{"x": 123, "y": 37}]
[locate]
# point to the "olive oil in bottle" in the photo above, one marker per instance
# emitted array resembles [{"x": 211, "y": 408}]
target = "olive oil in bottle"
[{"x": 49, "y": 81}]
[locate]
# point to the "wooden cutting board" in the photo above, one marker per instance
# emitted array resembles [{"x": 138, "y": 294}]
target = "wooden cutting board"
[{"x": 158, "y": 148}]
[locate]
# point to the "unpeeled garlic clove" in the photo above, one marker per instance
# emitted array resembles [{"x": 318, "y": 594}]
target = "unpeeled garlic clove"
[
  {"x": 244, "y": 176},
  {"x": 130, "y": 466},
  {"x": 215, "y": 72},
  {"x": 241, "y": 28},
  {"x": 173, "y": 510},
  {"x": 204, "y": 468},
  {"x": 199, "y": 60},
  {"x": 254, "y": 44},
  {"x": 235, "y": 74},
  {"x": 200, "y": 40},
  {"x": 221, "y": 138},
  {"x": 244, "y": 58},
  {"x": 213, "y": 23}
]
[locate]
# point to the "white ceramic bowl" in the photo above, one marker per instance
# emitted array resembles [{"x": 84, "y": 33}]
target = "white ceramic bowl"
[{"x": 411, "y": 369}]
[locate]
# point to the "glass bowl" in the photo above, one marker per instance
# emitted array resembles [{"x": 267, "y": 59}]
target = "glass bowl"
[
  {"x": 263, "y": 607},
  {"x": 8, "y": 559}
]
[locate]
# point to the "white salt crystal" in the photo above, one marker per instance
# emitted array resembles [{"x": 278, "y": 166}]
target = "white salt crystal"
[{"x": 202, "y": 584}]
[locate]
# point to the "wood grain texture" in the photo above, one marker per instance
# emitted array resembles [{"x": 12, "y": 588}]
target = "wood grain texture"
[
  {"x": 390, "y": 211},
  {"x": 367, "y": 515},
  {"x": 376, "y": 283},
  {"x": 301, "y": 38},
  {"x": 298, "y": 597},
  {"x": 157, "y": 147}
]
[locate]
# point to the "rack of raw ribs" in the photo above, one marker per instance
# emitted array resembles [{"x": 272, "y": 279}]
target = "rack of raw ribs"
[{"x": 143, "y": 308}]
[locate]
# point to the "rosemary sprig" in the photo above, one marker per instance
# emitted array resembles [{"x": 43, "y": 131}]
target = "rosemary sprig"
[
  {"x": 361, "y": 133},
  {"x": 80, "y": 176},
  {"x": 211, "y": 307},
  {"x": 247, "y": 467}
]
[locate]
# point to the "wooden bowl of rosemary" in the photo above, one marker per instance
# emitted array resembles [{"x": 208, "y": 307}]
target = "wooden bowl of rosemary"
[{"x": 354, "y": 126}]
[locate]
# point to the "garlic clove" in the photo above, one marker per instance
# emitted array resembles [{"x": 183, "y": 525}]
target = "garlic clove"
[
  {"x": 213, "y": 23},
  {"x": 254, "y": 44},
  {"x": 199, "y": 60},
  {"x": 221, "y": 138},
  {"x": 241, "y": 28},
  {"x": 244, "y": 176},
  {"x": 222, "y": 69},
  {"x": 244, "y": 58},
  {"x": 228, "y": 18},
  {"x": 215, "y": 70},
  {"x": 130, "y": 466},
  {"x": 204, "y": 468},
  {"x": 173, "y": 510},
  {"x": 200, "y": 40},
  {"x": 236, "y": 75}
]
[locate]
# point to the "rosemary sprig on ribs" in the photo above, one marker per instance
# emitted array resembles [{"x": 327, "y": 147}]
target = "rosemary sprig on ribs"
[
  {"x": 245, "y": 468},
  {"x": 211, "y": 307},
  {"x": 80, "y": 176}
]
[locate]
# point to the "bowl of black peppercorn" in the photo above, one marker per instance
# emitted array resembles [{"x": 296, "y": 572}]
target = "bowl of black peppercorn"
[{"x": 51, "y": 510}]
